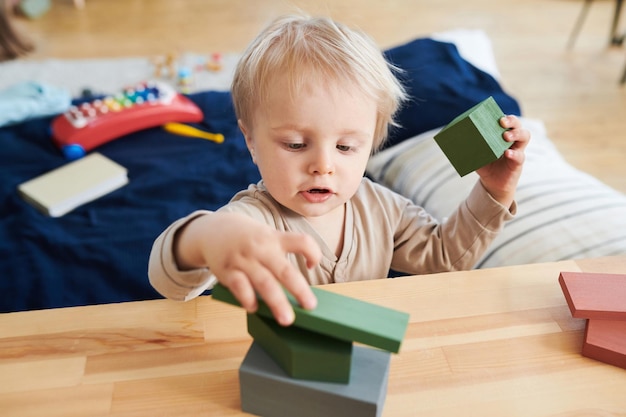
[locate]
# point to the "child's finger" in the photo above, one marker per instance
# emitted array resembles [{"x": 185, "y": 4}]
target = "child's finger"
[
  {"x": 291, "y": 278},
  {"x": 239, "y": 284},
  {"x": 271, "y": 292},
  {"x": 297, "y": 286},
  {"x": 515, "y": 156},
  {"x": 509, "y": 122},
  {"x": 519, "y": 137},
  {"x": 304, "y": 245}
]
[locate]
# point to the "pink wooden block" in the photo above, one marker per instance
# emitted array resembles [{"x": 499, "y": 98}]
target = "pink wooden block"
[
  {"x": 605, "y": 340},
  {"x": 595, "y": 295}
]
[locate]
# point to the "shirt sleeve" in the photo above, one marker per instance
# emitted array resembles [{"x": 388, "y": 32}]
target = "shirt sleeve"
[
  {"x": 163, "y": 271},
  {"x": 425, "y": 245}
]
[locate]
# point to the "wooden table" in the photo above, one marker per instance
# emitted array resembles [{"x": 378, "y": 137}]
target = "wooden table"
[{"x": 496, "y": 342}]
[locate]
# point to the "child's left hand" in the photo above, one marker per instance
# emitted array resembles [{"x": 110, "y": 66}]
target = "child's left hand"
[{"x": 500, "y": 177}]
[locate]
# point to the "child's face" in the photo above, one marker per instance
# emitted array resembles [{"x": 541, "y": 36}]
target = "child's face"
[{"x": 312, "y": 148}]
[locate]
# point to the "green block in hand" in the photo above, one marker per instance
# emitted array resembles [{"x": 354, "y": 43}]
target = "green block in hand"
[
  {"x": 474, "y": 139},
  {"x": 341, "y": 317}
]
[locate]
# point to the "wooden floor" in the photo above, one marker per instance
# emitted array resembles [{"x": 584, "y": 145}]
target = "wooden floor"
[{"x": 575, "y": 92}]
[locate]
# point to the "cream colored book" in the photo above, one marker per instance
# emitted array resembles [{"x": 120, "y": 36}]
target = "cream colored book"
[{"x": 65, "y": 188}]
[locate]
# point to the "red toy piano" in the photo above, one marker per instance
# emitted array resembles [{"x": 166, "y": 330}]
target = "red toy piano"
[{"x": 148, "y": 104}]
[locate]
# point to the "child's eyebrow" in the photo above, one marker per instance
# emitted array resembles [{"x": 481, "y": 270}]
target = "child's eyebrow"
[
  {"x": 341, "y": 133},
  {"x": 285, "y": 128}
]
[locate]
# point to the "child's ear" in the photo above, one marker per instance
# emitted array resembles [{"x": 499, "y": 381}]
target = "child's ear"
[{"x": 248, "y": 138}]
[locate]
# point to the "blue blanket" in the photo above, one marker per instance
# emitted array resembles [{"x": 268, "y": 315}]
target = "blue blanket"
[{"x": 98, "y": 253}]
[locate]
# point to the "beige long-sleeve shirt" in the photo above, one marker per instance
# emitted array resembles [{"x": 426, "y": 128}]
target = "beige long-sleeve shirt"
[{"x": 383, "y": 230}]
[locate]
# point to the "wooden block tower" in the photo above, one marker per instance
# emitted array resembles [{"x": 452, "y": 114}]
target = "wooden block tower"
[
  {"x": 474, "y": 139},
  {"x": 312, "y": 368},
  {"x": 601, "y": 299}
]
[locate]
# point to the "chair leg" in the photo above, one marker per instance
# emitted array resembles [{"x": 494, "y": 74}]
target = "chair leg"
[
  {"x": 623, "y": 80},
  {"x": 579, "y": 22},
  {"x": 616, "y": 39}
]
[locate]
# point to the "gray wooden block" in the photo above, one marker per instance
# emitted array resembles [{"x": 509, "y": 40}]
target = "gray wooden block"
[{"x": 268, "y": 391}]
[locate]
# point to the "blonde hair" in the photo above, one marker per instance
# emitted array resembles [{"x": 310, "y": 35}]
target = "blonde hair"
[{"x": 304, "y": 47}]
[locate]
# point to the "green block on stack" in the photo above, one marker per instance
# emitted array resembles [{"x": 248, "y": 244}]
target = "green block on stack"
[
  {"x": 341, "y": 317},
  {"x": 474, "y": 139},
  {"x": 303, "y": 354}
]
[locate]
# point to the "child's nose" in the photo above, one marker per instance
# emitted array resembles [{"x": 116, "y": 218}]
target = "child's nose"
[{"x": 322, "y": 164}]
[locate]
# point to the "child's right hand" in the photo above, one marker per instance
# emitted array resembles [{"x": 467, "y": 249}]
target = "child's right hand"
[{"x": 250, "y": 258}]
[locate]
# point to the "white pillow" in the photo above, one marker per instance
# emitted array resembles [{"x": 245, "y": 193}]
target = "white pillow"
[
  {"x": 563, "y": 213},
  {"x": 474, "y": 46}
]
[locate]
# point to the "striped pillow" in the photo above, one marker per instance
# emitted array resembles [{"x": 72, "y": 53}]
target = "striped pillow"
[{"x": 563, "y": 213}]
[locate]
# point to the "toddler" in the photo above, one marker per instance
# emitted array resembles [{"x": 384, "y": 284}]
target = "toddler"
[{"x": 314, "y": 99}]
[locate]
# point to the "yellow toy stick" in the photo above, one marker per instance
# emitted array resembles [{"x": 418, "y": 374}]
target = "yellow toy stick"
[{"x": 186, "y": 130}]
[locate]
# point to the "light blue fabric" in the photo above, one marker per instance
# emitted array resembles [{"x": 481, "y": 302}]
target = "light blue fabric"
[{"x": 28, "y": 100}]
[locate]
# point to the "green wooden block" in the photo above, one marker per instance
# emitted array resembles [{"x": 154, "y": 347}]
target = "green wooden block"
[
  {"x": 474, "y": 138},
  {"x": 301, "y": 353},
  {"x": 341, "y": 317}
]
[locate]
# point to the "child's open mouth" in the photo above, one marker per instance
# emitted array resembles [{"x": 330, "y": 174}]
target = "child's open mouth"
[{"x": 317, "y": 195}]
